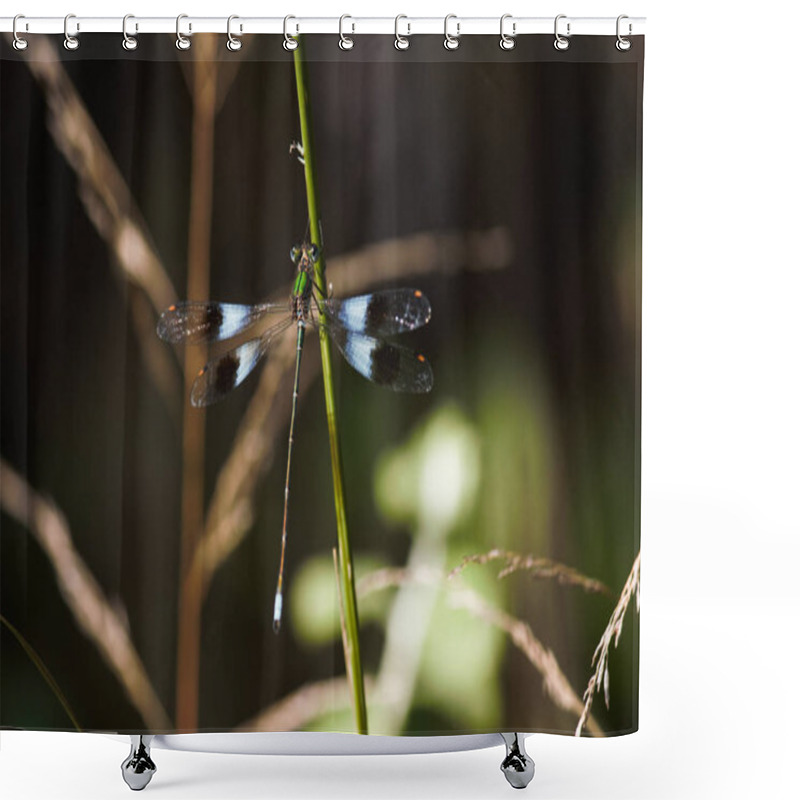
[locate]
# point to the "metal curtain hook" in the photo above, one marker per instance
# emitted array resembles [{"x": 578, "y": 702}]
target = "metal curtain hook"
[
  {"x": 507, "y": 42},
  {"x": 401, "y": 42},
  {"x": 129, "y": 42},
  {"x": 623, "y": 44},
  {"x": 71, "y": 42},
  {"x": 451, "y": 42},
  {"x": 19, "y": 42},
  {"x": 289, "y": 42},
  {"x": 182, "y": 42},
  {"x": 345, "y": 42},
  {"x": 234, "y": 42},
  {"x": 561, "y": 42}
]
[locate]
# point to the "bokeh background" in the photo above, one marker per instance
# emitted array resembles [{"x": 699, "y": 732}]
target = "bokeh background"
[{"x": 506, "y": 186}]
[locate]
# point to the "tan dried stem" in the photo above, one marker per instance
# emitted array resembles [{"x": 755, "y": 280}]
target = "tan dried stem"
[
  {"x": 392, "y": 577},
  {"x": 536, "y": 567},
  {"x": 556, "y": 684},
  {"x": 428, "y": 253},
  {"x": 612, "y": 632},
  {"x": 85, "y": 599},
  {"x": 190, "y": 600}
]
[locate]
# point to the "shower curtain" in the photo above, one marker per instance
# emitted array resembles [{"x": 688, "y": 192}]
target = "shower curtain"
[{"x": 420, "y": 270}]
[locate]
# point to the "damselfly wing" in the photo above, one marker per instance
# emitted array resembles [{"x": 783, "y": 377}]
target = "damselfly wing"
[{"x": 357, "y": 326}]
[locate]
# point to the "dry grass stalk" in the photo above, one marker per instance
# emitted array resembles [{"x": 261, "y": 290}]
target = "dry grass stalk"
[
  {"x": 612, "y": 632},
  {"x": 301, "y": 707},
  {"x": 556, "y": 684},
  {"x": 82, "y": 594},
  {"x": 393, "y": 577},
  {"x": 190, "y": 600},
  {"x": 156, "y": 358},
  {"x": 110, "y": 207},
  {"x": 429, "y": 253},
  {"x": 537, "y": 567},
  {"x": 103, "y": 190}
]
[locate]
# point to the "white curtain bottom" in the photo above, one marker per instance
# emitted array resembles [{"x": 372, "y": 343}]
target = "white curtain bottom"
[{"x": 319, "y": 743}]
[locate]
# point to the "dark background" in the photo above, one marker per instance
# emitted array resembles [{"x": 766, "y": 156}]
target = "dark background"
[{"x": 544, "y": 144}]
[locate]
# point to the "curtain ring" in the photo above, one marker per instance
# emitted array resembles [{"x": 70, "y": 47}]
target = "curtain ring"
[
  {"x": 19, "y": 42},
  {"x": 182, "y": 42},
  {"x": 623, "y": 44},
  {"x": 561, "y": 42},
  {"x": 451, "y": 42},
  {"x": 401, "y": 42},
  {"x": 345, "y": 42},
  {"x": 70, "y": 42},
  {"x": 289, "y": 42},
  {"x": 129, "y": 42},
  {"x": 507, "y": 42},
  {"x": 234, "y": 42}
]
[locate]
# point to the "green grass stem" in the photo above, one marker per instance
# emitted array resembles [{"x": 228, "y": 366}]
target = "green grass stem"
[{"x": 351, "y": 644}]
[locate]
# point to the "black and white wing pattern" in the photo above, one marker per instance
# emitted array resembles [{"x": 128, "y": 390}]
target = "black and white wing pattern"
[
  {"x": 223, "y": 374},
  {"x": 358, "y": 326},
  {"x": 196, "y": 322},
  {"x": 385, "y": 313},
  {"x": 398, "y": 368}
]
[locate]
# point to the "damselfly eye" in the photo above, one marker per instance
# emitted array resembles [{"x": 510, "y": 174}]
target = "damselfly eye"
[
  {"x": 313, "y": 251},
  {"x": 295, "y": 254}
]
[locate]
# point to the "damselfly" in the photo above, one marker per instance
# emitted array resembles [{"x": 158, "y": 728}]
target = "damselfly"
[{"x": 357, "y": 325}]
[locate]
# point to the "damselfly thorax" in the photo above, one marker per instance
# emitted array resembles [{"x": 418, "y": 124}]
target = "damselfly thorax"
[{"x": 305, "y": 256}]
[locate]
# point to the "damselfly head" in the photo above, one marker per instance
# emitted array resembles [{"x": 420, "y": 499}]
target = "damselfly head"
[{"x": 304, "y": 252}]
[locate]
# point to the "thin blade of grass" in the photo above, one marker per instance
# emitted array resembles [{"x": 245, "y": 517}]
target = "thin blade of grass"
[
  {"x": 43, "y": 671},
  {"x": 352, "y": 644}
]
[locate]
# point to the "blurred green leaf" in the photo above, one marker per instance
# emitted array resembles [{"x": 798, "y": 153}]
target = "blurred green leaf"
[
  {"x": 314, "y": 605},
  {"x": 431, "y": 479}
]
